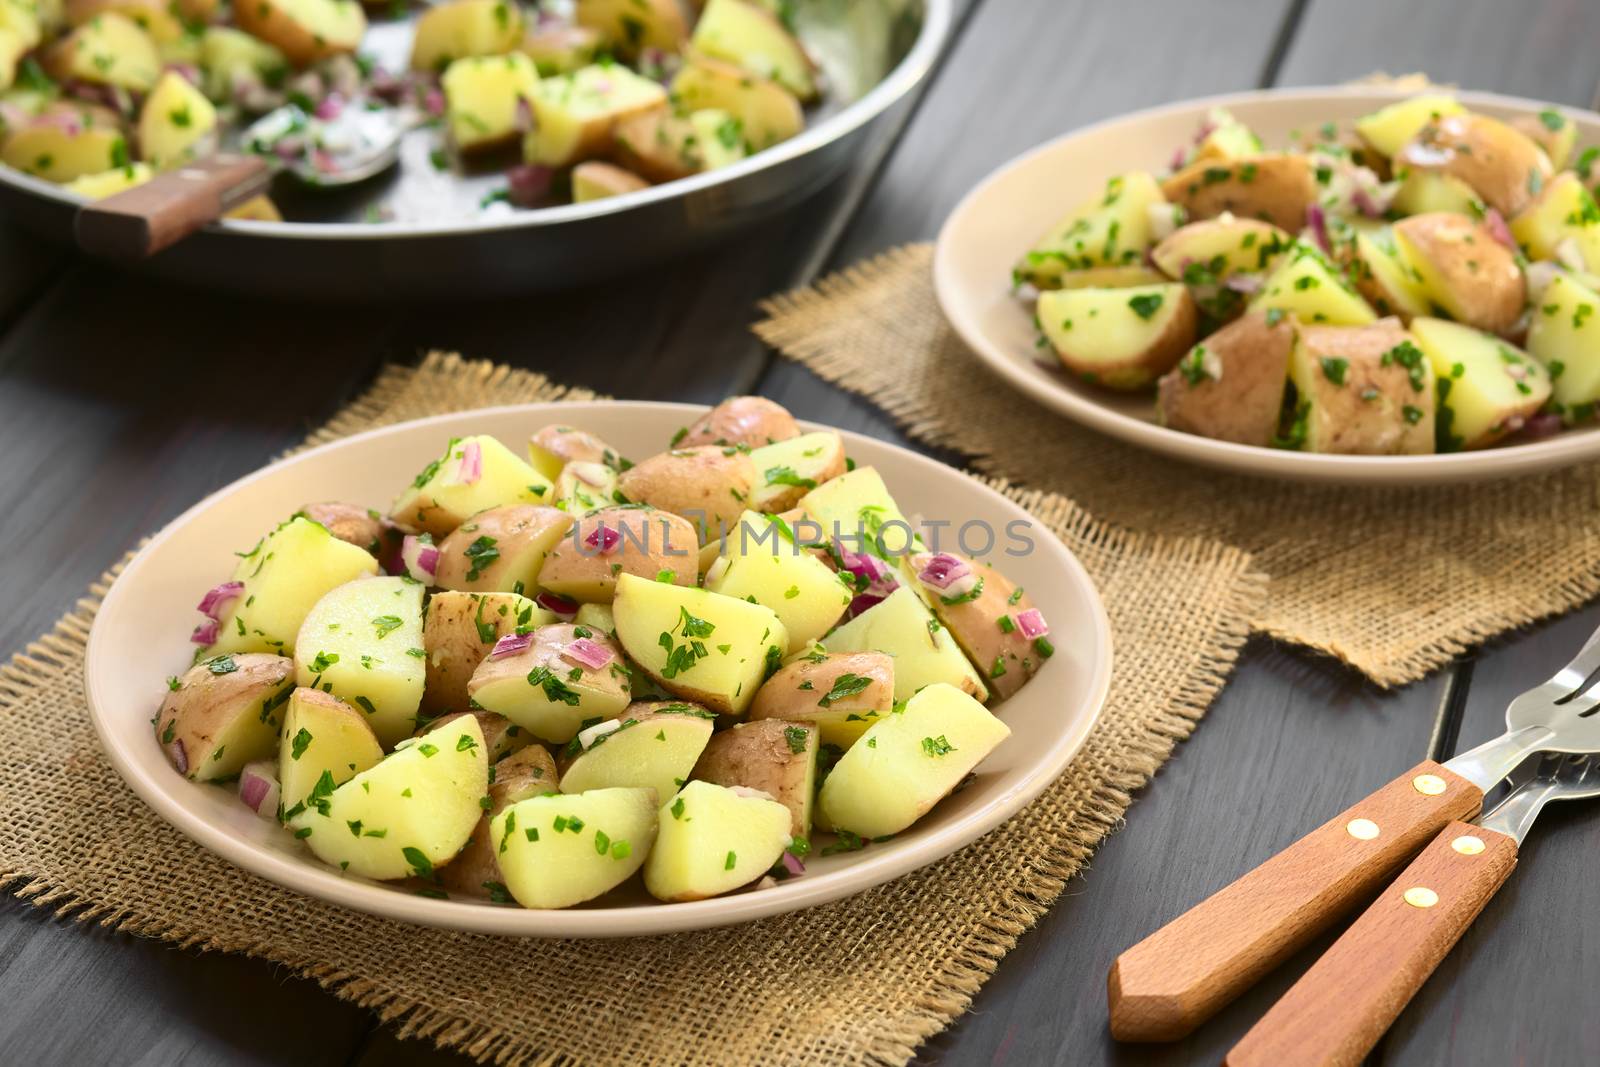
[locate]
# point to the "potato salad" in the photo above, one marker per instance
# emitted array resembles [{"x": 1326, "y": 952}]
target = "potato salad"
[
  {"x": 1426, "y": 280},
  {"x": 537, "y": 674},
  {"x": 574, "y": 100}
]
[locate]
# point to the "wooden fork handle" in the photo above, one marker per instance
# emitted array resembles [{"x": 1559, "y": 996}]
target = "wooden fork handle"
[
  {"x": 1181, "y": 975},
  {"x": 1339, "y": 1008},
  {"x": 139, "y": 222}
]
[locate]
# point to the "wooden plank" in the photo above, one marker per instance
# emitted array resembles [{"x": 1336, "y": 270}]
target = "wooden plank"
[{"x": 27, "y": 265}]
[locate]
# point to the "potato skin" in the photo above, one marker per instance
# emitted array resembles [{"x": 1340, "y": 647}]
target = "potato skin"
[
  {"x": 528, "y": 772},
  {"x": 545, "y": 651},
  {"x": 568, "y": 444},
  {"x": 1242, "y": 406},
  {"x": 1482, "y": 273},
  {"x": 501, "y": 736},
  {"x": 363, "y": 527},
  {"x": 741, "y": 420},
  {"x": 300, "y": 44},
  {"x": 453, "y": 645},
  {"x": 657, "y": 145},
  {"x": 787, "y": 694},
  {"x": 1275, "y": 188},
  {"x": 760, "y": 755},
  {"x": 707, "y": 484},
  {"x": 1006, "y": 660},
  {"x": 512, "y": 527},
  {"x": 1502, "y": 165},
  {"x": 1163, "y": 353},
  {"x": 652, "y": 541},
  {"x": 1346, "y": 421},
  {"x": 205, "y": 703}
]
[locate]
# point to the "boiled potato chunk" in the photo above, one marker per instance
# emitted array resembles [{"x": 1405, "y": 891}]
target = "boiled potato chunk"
[
  {"x": 984, "y": 623},
  {"x": 703, "y": 646},
  {"x": 111, "y": 182},
  {"x": 582, "y": 488},
  {"x": 463, "y": 28},
  {"x": 787, "y": 469},
  {"x": 474, "y": 474},
  {"x": 1501, "y": 165},
  {"x": 1388, "y": 282},
  {"x": 557, "y": 851},
  {"x": 595, "y": 180},
  {"x": 553, "y": 447},
  {"x": 1363, "y": 390},
  {"x": 12, "y": 48},
  {"x": 322, "y": 735},
  {"x": 305, "y": 31},
  {"x": 1391, "y": 128},
  {"x": 1230, "y": 385},
  {"x": 909, "y": 761},
  {"x": 366, "y": 528},
  {"x": 233, "y": 60},
  {"x": 1228, "y": 138},
  {"x": 1565, "y": 337},
  {"x": 1119, "y": 338},
  {"x": 713, "y": 839},
  {"x": 628, "y": 27},
  {"x": 605, "y": 544},
  {"x": 1223, "y": 246},
  {"x": 284, "y": 576},
  {"x": 1309, "y": 288},
  {"x": 842, "y": 693},
  {"x": 500, "y": 734},
  {"x": 596, "y": 617},
  {"x": 720, "y": 137},
  {"x": 924, "y": 652},
  {"x": 357, "y": 642},
  {"x": 707, "y": 484},
  {"x": 1274, "y": 188},
  {"x": 856, "y": 509},
  {"x": 1111, "y": 230},
  {"x": 176, "y": 123},
  {"x": 162, "y": 21},
  {"x": 576, "y": 115},
  {"x": 766, "y": 111},
  {"x": 1486, "y": 387},
  {"x": 1464, "y": 270},
  {"x": 223, "y": 714},
  {"x": 483, "y": 96},
  {"x": 459, "y": 630},
  {"x": 773, "y": 757},
  {"x": 109, "y": 49},
  {"x": 547, "y": 689},
  {"x": 654, "y": 749},
  {"x": 740, "y": 420},
  {"x": 413, "y": 811},
  {"x": 763, "y": 564},
  {"x": 748, "y": 34},
  {"x": 658, "y": 144},
  {"x": 20, "y": 19},
  {"x": 1422, "y": 192},
  {"x": 66, "y": 141},
  {"x": 1562, "y": 215},
  {"x": 501, "y": 549},
  {"x": 559, "y": 49},
  {"x": 528, "y": 772}
]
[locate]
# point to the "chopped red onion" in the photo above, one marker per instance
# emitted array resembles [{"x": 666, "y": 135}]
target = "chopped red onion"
[
  {"x": 1317, "y": 220},
  {"x": 586, "y": 653},
  {"x": 433, "y": 102},
  {"x": 865, "y": 564},
  {"x": 862, "y": 601},
  {"x": 1243, "y": 283},
  {"x": 206, "y": 633},
  {"x": 420, "y": 558},
  {"x": 178, "y": 755},
  {"x": 558, "y": 604},
  {"x": 1180, "y": 155},
  {"x": 792, "y": 864},
  {"x": 941, "y": 570},
  {"x": 328, "y": 107},
  {"x": 524, "y": 120},
  {"x": 603, "y": 539},
  {"x": 258, "y": 788},
  {"x": 187, "y": 71},
  {"x": 471, "y": 468},
  {"x": 1540, "y": 426},
  {"x": 1206, "y": 129},
  {"x": 218, "y": 598},
  {"x": 529, "y": 184},
  {"x": 510, "y": 645},
  {"x": 323, "y": 160},
  {"x": 1495, "y": 223},
  {"x": 1032, "y": 624}
]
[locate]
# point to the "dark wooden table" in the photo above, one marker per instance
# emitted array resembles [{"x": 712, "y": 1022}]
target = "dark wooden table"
[{"x": 121, "y": 402}]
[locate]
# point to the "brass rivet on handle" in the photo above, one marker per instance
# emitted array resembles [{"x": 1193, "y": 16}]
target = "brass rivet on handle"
[
  {"x": 1420, "y": 896},
  {"x": 1431, "y": 784},
  {"x": 1468, "y": 845},
  {"x": 1361, "y": 829}
]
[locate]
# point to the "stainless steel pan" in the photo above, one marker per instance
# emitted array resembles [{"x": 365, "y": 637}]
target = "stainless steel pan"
[{"x": 874, "y": 52}]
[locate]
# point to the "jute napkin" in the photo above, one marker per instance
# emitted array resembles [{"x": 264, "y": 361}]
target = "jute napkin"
[
  {"x": 1393, "y": 582},
  {"x": 865, "y": 980}
]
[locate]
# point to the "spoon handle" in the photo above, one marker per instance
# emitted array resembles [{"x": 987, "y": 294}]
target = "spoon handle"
[{"x": 141, "y": 221}]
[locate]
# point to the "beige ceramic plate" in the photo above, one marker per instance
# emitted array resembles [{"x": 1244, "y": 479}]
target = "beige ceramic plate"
[
  {"x": 141, "y": 637},
  {"x": 1005, "y": 215}
]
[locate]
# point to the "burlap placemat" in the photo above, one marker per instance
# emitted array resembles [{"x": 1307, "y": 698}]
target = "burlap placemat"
[
  {"x": 1393, "y": 582},
  {"x": 864, "y": 980}
]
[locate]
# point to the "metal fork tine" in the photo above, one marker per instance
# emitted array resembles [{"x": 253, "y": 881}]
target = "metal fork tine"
[
  {"x": 1585, "y": 663},
  {"x": 1584, "y": 701}
]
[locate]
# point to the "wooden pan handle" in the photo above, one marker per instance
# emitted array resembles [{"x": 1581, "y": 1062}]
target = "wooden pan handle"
[
  {"x": 1339, "y": 1008},
  {"x": 1181, "y": 975},
  {"x": 141, "y": 221}
]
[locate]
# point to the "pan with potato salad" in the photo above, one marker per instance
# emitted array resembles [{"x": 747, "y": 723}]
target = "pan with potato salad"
[
  {"x": 536, "y": 675},
  {"x": 1421, "y": 279}
]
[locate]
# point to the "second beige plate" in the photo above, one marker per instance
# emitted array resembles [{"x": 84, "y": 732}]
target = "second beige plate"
[{"x": 1008, "y": 211}]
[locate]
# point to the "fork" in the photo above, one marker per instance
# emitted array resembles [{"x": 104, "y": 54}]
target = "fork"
[{"x": 1340, "y": 1007}]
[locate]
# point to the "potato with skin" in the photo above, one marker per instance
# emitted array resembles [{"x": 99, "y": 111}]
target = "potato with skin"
[
  {"x": 1276, "y": 188},
  {"x": 596, "y": 180},
  {"x": 463, "y": 28},
  {"x": 576, "y": 115},
  {"x": 843, "y": 693},
  {"x": 1109, "y": 232},
  {"x": 109, "y": 49},
  {"x": 1563, "y": 216},
  {"x": 1311, "y": 289},
  {"x": 459, "y": 630},
  {"x": 501, "y": 549},
  {"x": 305, "y": 31},
  {"x": 740, "y": 420},
  {"x": 1119, "y": 338},
  {"x": 1223, "y": 246},
  {"x": 628, "y": 27},
  {"x": 775, "y": 757},
  {"x": 474, "y": 474},
  {"x": 1385, "y": 279},
  {"x": 752, "y": 36},
  {"x": 1363, "y": 390},
  {"x": 547, "y": 689},
  {"x": 787, "y": 470},
  {"x": 158, "y": 19},
  {"x": 1391, "y": 128},
  {"x": 224, "y": 713},
  {"x": 561, "y": 850},
  {"x": 585, "y": 564},
  {"x": 529, "y": 772},
  {"x": 111, "y": 182},
  {"x": 552, "y": 447},
  {"x": 366, "y": 528},
  {"x": 322, "y": 735},
  {"x": 720, "y": 137},
  {"x": 987, "y": 629},
  {"x": 503, "y": 737},
  {"x": 232, "y": 59},
  {"x": 66, "y": 141},
  {"x": 558, "y": 49},
  {"x": 1486, "y": 387},
  {"x": 486, "y": 98},
  {"x": 924, "y": 653},
  {"x": 714, "y": 839},
  {"x": 1230, "y": 386},
  {"x": 764, "y": 565},
  {"x": 767, "y": 111},
  {"x": 1464, "y": 270},
  {"x": 1501, "y": 165},
  {"x": 1565, "y": 337},
  {"x": 1551, "y": 131},
  {"x": 706, "y": 484},
  {"x": 658, "y": 144},
  {"x": 654, "y": 749}
]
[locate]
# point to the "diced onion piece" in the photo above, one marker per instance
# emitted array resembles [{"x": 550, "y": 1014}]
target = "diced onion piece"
[
  {"x": 717, "y": 570},
  {"x": 1317, "y": 221},
  {"x": 586, "y": 653},
  {"x": 863, "y": 601},
  {"x": 1032, "y": 624},
  {"x": 420, "y": 558},
  {"x": 1569, "y": 255},
  {"x": 603, "y": 539},
  {"x": 558, "y": 604},
  {"x": 942, "y": 570},
  {"x": 1539, "y": 276},
  {"x": 510, "y": 645},
  {"x": 1243, "y": 283},
  {"x": 206, "y": 633},
  {"x": 587, "y": 738},
  {"x": 1163, "y": 219},
  {"x": 178, "y": 755},
  {"x": 792, "y": 863},
  {"x": 218, "y": 598},
  {"x": 258, "y": 788},
  {"x": 1495, "y": 223},
  {"x": 471, "y": 468},
  {"x": 1543, "y": 425}
]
